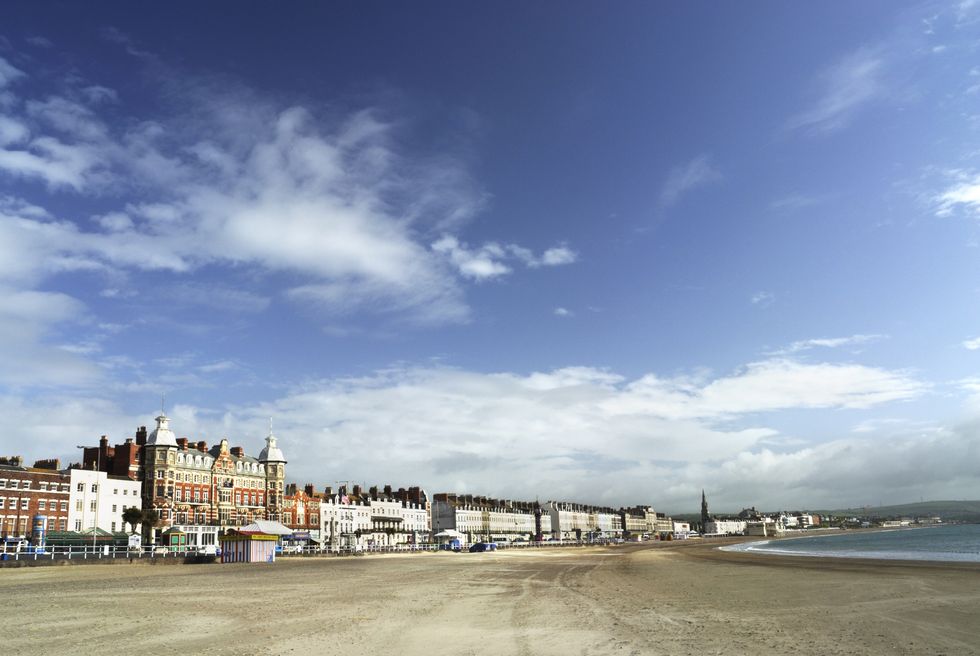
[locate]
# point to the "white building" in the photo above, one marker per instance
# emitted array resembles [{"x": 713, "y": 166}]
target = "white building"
[
  {"x": 482, "y": 518},
  {"x": 575, "y": 521},
  {"x": 725, "y": 527},
  {"x": 681, "y": 529},
  {"x": 608, "y": 523},
  {"x": 351, "y": 520},
  {"x": 97, "y": 499}
]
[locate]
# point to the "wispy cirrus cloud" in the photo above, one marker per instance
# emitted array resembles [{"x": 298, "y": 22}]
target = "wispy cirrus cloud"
[
  {"x": 683, "y": 179},
  {"x": 853, "y": 82},
  {"x": 828, "y": 342},
  {"x": 340, "y": 206},
  {"x": 972, "y": 344}
]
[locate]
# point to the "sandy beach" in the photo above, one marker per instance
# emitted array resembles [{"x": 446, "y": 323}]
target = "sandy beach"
[{"x": 670, "y": 598}]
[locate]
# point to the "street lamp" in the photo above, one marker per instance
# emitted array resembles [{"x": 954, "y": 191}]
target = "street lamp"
[{"x": 98, "y": 468}]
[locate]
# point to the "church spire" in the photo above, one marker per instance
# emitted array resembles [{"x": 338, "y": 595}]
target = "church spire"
[{"x": 704, "y": 511}]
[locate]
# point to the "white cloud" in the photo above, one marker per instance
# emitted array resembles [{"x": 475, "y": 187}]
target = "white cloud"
[
  {"x": 763, "y": 298},
  {"x": 563, "y": 312},
  {"x": 682, "y": 179},
  {"x": 12, "y": 131},
  {"x": 8, "y": 73},
  {"x": 828, "y": 342},
  {"x": 576, "y": 431},
  {"x": 963, "y": 194},
  {"x": 480, "y": 263},
  {"x": 972, "y": 344},
  {"x": 337, "y": 206},
  {"x": 237, "y": 181},
  {"x": 558, "y": 256},
  {"x": 851, "y": 83},
  {"x": 487, "y": 261},
  {"x": 39, "y": 41},
  {"x": 795, "y": 202}
]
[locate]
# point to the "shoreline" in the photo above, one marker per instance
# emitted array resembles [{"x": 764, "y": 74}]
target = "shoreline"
[{"x": 868, "y": 555}]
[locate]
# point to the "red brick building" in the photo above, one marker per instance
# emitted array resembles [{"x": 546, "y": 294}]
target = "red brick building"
[
  {"x": 301, "y": 508},
  {"x": 193, "y": 488},
  {"x": 27, "y": 492}
]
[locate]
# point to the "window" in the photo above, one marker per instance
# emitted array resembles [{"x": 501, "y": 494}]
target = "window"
[
  {"x": 24, "y": 485},
  {"x": 95, "y": 488},
  {"x": 3, "y": 483},
  {"x": 113, "y": 510},
  {"x": 205, "y": 496},
  {"x": 42, "y": 486},
  {"x": 78, "y": 525},
  {"x": 197, "y": 496},
  {"x": 78, "y": 505},
  {"x": 42, "y": 505},
  {"x": 116, "y": 491},
  {"x": 159, "y": 490},
  {"x": 24, "y": 503},
  {"x": 3, "y": 502},
  {"x": 63, "y": 524},
  {"x": 113, "y": 527},
  {"x": 64, "y": 506},
  {"x": 81, "y": 487},
  {"x": 159, "y": 473},
  {"x": 92, "y": 505}
]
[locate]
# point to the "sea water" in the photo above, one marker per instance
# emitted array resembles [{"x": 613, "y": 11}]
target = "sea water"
[{"x": 957, "y": 542}]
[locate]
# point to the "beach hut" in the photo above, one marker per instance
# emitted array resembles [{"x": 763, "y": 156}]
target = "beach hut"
[{"x": 252, "y": 543}]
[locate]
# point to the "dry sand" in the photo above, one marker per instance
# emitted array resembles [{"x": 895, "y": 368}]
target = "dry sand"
[{"x": 671, "y": 598}]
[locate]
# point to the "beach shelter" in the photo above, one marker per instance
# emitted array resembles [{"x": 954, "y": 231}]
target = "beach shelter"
[
  {"x": 175, "y": 539},
  {"x": 449, "y": 538}
]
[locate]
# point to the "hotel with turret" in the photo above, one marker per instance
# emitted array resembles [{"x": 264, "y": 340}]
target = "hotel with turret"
[{"x": 197, "y": 492}]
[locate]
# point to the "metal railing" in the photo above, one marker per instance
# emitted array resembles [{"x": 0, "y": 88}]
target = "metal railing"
[
  {"x": 97, "y": 552},
  {"x": 107, "y": 552}
]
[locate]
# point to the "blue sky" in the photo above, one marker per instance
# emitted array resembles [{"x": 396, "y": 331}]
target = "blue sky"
[{"x": 524, "y": 249}]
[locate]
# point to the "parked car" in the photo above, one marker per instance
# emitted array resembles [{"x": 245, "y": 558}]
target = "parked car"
[{"x": 480, "y": 547}]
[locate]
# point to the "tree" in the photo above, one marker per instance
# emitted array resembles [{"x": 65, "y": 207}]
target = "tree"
[
  {"x": 149, "y": 519},
  {"x": 132, "y": 516}
]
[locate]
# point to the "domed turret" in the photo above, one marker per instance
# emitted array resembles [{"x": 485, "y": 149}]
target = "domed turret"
[
  {"x": 271, "y": 453},
  {"x": 162, "y": 435}
]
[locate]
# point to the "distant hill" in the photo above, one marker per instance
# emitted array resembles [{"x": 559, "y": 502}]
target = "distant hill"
[{"x": 964, "y": 511}]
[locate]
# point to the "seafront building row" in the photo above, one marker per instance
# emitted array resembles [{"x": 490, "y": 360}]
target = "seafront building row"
[{"x": 196, "y": 493}]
